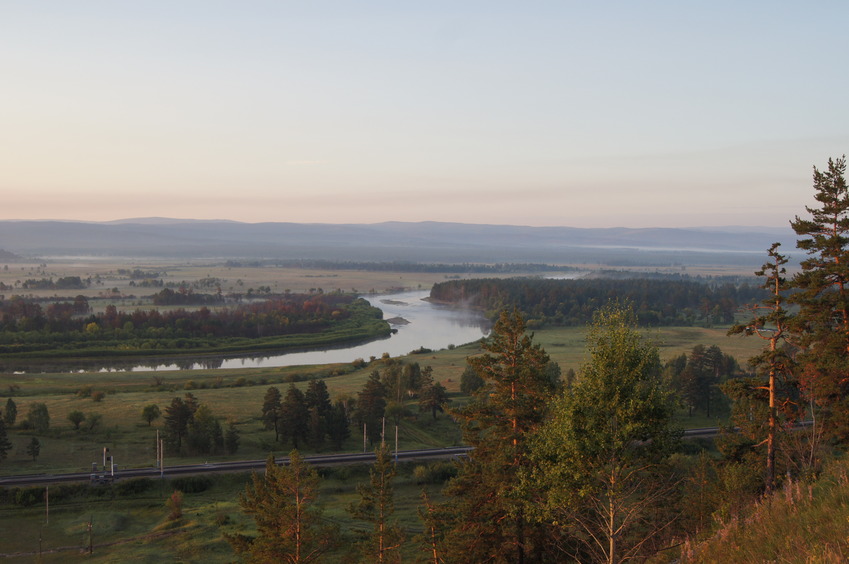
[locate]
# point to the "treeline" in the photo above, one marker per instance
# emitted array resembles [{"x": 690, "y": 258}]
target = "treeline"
[
  {"x": 185, "y": 296},
  {"x": 309, "y": 418},
  {"x": 64, "y": 283},
  {"x": 26, "y": 327},
  {"x": 572, "y": 302},
  {"x": 403, "y": 266}
]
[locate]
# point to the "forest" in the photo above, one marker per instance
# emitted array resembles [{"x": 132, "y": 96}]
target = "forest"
[
  {"x": 68, "y": 328},
  {"x": 668, "y": 300}
]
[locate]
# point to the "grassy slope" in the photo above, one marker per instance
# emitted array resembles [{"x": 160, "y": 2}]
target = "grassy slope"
[{"x": 801, "y": 523}]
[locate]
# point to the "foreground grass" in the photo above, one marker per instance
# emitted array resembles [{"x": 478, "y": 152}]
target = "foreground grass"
[{"x": 803, "y": 522}]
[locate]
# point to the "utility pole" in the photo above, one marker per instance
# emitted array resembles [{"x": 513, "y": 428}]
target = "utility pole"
[
  {"x": 46, "y": 505},
  {"x": 90, "y": 544}
]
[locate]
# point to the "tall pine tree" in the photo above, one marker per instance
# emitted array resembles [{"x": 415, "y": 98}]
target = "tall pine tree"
[
  {"x": 485, "y": 518},
  {"x": 769, "y": 321},
  {"x": 271, "y": 411},
  {"x": 821, "y": 326}
]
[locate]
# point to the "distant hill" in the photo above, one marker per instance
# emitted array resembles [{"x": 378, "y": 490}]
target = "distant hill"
[
  {"x": 6, "y": 256},
  {"x": 391, "y": 241}
]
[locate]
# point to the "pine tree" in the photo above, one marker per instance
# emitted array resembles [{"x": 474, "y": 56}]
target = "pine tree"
[
  {"x": 486, "y": 519},
  {"x": 770, "y": 322},
  {"x": 433, "y": 398},
  {"x": 34, "y": 448},
  {"x": 231, "y": 439},
  {"x": 431, "y": 516},
  {"x": 376, "y": 505},
  {"x": 338, "y": 426},
  {"x": 317, "y": 396},
  {"x": 204, "y": 434},
  {"x": 371, "y": 407},
  {"x": 289, "y": 525},
  {"x": 271, "y": 411},
  {"x": 294, "y": 417},
  {"x": 10, "y": 415},
  {"x": 821, "y": 326},
  {"x": 178, "y": 415},
  {"x": 317, "y": 400},
  {"x": 5, "y": 443}
]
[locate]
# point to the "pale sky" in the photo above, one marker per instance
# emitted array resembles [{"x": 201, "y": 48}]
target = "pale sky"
[{"x": 586, "y": 114}]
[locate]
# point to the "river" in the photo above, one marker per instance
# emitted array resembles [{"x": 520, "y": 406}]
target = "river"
[{"x": 418, "y": 323}]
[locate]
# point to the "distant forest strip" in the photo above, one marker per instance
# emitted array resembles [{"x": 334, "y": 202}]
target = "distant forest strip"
[
  {"x": 572, "y": 302},
  {"x": 403, "y": 266},
  {"x": 68, "y": 329}
]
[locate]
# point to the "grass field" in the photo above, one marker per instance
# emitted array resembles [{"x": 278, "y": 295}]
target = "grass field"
[{"x": 135, "y": 528}]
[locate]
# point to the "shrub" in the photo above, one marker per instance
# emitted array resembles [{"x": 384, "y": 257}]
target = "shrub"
[
  {"x": 175, "y": 504},
  {"x": 192, "y": 484},
  {"x": 29, "y": 496},
  {"x": 134, "y": 486},
  {"x": 434, "y": 473}
]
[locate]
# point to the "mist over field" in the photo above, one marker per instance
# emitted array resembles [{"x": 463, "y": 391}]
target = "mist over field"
[{"x": 390, "y": 241}]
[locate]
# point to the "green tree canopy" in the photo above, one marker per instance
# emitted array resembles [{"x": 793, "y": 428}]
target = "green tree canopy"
[
  {"x": 599, "y": 457},
  {"x": 821, "y": 325},
  {"x": 150, "y": 413},
  {"x": 38, "y": 417},
  {"x": 76, "y": 417}
]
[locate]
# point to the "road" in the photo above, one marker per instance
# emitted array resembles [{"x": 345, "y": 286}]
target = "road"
[
  {"x": 235, "y": 466},
  {"x": 246, "y": 465}
]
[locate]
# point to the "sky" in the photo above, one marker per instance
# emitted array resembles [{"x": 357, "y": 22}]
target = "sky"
[{"x": 568, "y": 113}]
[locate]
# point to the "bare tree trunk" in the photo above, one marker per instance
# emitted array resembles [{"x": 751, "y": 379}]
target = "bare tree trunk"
[{"x": 770, "y": 443}]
